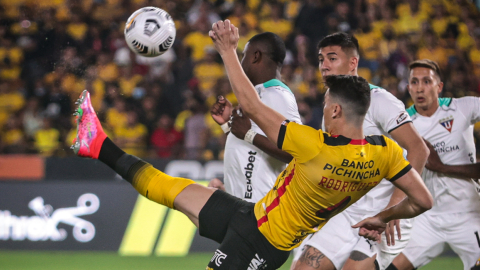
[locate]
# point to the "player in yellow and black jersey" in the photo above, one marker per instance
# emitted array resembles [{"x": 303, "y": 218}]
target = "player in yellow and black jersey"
[
  {"x": 328, "y": 174},
  {"x": 329, "y": 171}
]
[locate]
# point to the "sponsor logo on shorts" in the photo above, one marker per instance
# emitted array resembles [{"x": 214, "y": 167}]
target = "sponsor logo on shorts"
[
  {"x": 401, "y": 117},
  {"x": 218, "y": 257},
  {"x": 447, "y": 123},
  {"x": 257, "y": 263}
]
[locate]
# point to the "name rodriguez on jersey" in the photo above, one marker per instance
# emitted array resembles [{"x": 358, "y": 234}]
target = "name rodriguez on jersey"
[{"x": 353, "y": 170}]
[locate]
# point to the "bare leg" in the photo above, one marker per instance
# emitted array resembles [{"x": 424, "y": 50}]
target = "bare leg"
[
  {"x": 402, "y": 263},
  {"x": 192, "y": 199},
  {"x": 359, "y": 261},
  {"x": 311, "y": 259}
]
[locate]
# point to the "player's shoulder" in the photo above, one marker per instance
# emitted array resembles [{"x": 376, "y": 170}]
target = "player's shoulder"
[
  {"x": 384, "y": 142},
  {"x": 385, "y": 105},
  {"x": 463, "y": 101},
  {"x": 379, "y": 94},
  {"x": 276, "y": 86},
  {"x": 379, "y": 140}
]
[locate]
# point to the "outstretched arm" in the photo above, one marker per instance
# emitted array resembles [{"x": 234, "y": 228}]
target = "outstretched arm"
[
  {"x": 225, "y": 37},
  {"x": 418, "y": 200},
  {"x": 465, "y": 171}
]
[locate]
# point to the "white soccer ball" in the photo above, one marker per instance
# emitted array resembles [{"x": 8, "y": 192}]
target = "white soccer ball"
[{"x": 150, "y": 31}]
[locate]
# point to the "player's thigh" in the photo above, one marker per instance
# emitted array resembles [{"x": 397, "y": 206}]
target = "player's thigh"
[
  {"x": 217, "y": 213},
  {"x": 247, "y": 250},
  {"x": 233, "y": 253},
  {"x": 336, "y": 239},
  {"x": 191, "y": 200},
  {"x": 363, "y": 256},
  {"x": 313, "y": 259},
  {"x": 427, "y": 242},
  {"x": 464, "y": 237}
]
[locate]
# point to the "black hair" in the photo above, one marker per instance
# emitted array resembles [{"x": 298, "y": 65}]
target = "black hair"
[
  {"x": 426, "y": 63},
  {"x": 352, "y": 90},
  {"x": 342, "y": 39},
  {"x": 274, "y": 45}
]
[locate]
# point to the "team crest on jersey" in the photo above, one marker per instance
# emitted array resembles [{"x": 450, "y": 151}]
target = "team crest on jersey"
[
  {"x": 447, "y": 123},
  {"x": 218, "y": 257}
]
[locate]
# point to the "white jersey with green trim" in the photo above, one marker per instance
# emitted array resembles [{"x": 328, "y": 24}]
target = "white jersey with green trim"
[
  {"x": 450, "y": 131},
  {"x": 385, "y": 114},
  {"x": 249, "y": 172}
]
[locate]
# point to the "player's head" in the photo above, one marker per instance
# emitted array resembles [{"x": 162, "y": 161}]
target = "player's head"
[
  {"x": 346, "y": 100},
  {"x": 263, "y": 51},
  {"x": 338, "y": 54},
  {"x": 425, "y": 84}
]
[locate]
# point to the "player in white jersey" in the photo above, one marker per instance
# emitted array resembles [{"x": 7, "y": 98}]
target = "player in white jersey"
[
  {"x": 251, "y": 161},
  {"x": 338, "y": 245},
  {"x": 455, "y": 217}
]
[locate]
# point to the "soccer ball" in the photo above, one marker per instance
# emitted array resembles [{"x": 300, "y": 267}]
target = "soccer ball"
[{"x": 150, "y": 31}]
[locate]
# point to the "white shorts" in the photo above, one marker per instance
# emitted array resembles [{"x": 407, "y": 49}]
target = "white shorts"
[
  {"x": 388, "y": 253},
  {"x": 337, "y": 239},
  {"x": 431, "y": 232}
]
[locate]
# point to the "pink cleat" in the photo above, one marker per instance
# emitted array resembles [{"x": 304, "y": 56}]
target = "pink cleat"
[{"x": 90, "y": 135}]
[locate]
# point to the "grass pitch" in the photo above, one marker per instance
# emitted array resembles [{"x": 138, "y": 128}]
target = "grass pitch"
[{"x": 34, "y": 260}]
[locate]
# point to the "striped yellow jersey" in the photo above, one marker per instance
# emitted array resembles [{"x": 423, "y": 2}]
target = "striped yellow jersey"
[{"x": 326, "y": 175}]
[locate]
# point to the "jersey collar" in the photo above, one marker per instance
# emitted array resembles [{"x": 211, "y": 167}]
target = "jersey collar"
[
  {"x": 271, "y": 83},
  {"x": 444, "y": 104}
]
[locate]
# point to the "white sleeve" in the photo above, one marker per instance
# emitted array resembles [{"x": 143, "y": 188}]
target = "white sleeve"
[
  {"x": 387, "y": 111},
  {"x": 470, "y": 107},
  {"x": 282, "y": 101}
]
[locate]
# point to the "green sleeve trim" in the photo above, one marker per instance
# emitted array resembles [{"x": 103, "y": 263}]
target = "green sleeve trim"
[
  {"x": 275, "y": 82},
  {"x": 373, "y": 86},
  {"x": 444, "y": 101},
  {"x": 411, "y": 111}
]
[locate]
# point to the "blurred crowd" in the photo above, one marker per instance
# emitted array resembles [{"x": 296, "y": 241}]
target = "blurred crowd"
[{"x": 51, "y": 50}]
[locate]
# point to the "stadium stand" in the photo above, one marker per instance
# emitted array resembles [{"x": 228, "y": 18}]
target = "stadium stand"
[{"x": 51, "y": 50}]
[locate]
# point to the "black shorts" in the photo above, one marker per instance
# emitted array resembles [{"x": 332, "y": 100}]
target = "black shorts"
[{"x": 231, "y": 222}]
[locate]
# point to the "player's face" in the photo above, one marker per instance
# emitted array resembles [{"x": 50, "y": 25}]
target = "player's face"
[
  {"x": 424, "y": 87},
  {"x": 332, "y": 60}
]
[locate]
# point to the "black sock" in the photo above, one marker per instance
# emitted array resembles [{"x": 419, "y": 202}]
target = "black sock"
[
  {"x": 391, "y": 267},
  {"x": 124, "y": 164},
  {"x": 110, "y": 153}
]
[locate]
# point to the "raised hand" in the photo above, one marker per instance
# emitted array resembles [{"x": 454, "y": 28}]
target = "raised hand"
[
  {"x": 371, "y": 228},
  {"x": 221, "y": 110},
  {"x": 390, "y": 231},
  {"x": 225, "y": 36}
]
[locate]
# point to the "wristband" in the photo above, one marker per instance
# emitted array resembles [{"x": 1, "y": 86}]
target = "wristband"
[
  {"x": 225, "y": 127},
  {"x": 249, "y": 136}
]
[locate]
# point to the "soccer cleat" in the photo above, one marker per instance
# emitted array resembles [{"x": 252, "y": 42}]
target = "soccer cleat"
[{"x": 90, "y": 135}]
